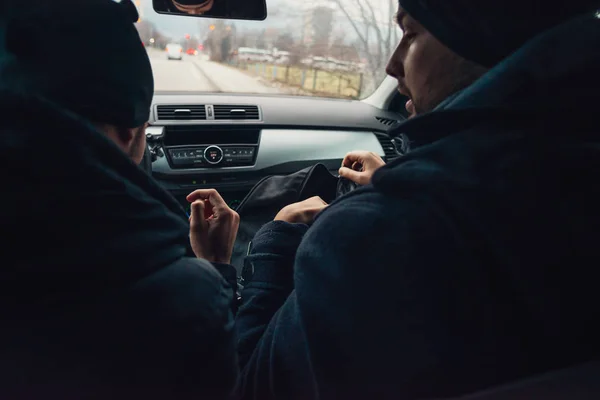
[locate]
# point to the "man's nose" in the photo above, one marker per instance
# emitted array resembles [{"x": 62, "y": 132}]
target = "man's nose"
[
  {"x": 395, "y": 67},
  {"x": 395, "y": 70},
  {"x": 389, "y": 70}
]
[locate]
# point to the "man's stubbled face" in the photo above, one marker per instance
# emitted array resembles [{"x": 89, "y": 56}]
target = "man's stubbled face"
[{"x": 427, "y": 71}]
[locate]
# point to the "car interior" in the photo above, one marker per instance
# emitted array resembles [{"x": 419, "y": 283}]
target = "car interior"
[{"x": 229, "y": 140}]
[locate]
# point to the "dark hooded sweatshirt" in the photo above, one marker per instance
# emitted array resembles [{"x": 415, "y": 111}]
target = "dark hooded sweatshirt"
[
  {"x": 467, "y": 263},
  {"x": 98, "y": 298}
]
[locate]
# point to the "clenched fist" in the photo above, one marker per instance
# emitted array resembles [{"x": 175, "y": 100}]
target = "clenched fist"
[
  {"x": 213, "y": 226},
  {"x": 359, "y": 166}
]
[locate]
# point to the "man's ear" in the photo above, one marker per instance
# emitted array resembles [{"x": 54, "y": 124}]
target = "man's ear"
[{"x": 127, "y": 135}]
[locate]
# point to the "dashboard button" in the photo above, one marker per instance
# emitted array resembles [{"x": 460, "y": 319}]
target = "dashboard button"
[{"x": 213, "y": 154}]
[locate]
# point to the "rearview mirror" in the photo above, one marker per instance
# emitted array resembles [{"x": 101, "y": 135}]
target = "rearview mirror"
[{"x": 231, "y": 9}]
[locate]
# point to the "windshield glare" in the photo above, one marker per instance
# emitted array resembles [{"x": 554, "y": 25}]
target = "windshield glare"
[{"x": 336, "y": 49}]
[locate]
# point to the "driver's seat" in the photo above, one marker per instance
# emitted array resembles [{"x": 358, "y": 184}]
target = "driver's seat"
[{"x": 581, "y": 382}]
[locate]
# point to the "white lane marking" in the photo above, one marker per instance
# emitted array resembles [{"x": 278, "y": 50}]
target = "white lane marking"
[{"x": 196, "y": 73}]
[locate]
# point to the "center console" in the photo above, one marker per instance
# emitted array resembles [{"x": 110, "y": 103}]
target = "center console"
[
  {"x": 211, "y": 156},
  {"x": 233, "y": 158},
  {"x": 200, "y": 157},
  {"x": 202, "y": 147}
]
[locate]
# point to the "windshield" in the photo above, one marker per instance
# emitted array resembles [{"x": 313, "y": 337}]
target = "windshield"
[{"x": 336, "y": 48}]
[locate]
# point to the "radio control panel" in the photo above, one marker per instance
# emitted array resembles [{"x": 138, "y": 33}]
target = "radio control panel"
[{"x": 210, "y": 156}]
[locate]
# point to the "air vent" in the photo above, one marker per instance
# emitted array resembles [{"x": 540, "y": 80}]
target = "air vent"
[
  {"x": 181, "y": 112},
  {"x": 388, "y": 147},
  {"x": 236, "y": 112},
  {"x": 387, "y": 121}
]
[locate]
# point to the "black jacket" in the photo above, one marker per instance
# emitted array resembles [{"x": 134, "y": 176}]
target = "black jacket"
[
  {"x": 467, "y": 263},
  {"x": 97, "y": 296}
]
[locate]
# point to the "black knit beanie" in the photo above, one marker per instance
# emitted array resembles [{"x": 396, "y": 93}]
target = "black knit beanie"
[
  {"x": 487, "y": 31},
  {"x": 85, "y": 55}
]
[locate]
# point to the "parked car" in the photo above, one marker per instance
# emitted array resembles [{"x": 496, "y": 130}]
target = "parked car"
[
  {"x": 248, "y": 54},
  {"x": 281, "y": 57}
]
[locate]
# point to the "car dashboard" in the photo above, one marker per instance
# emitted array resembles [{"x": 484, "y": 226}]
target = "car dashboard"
[{"x": 229, "y": 142}]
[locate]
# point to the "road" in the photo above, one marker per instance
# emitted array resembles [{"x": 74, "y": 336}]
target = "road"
[{"x": 196, "y": 73}]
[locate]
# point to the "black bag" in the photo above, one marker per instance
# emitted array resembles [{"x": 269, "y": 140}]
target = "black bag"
[{"x": 273, "y": 193}]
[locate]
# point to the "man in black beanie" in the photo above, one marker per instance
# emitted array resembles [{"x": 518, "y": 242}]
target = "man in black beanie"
[
  {"x": 113, "y": 95},
  {"x": 470, "y": 261},
  {"x": 446, "y": 46},
  {"x": 101, "y": 294}
]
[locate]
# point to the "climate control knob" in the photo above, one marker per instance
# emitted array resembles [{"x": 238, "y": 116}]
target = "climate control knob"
[{"x": 213, "y": 154}]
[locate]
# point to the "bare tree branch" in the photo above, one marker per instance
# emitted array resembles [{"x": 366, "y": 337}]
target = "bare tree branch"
[
  {"x": 376, "y": 36},
  {"x": 368, "y": 23},
  {"x": 377, "y": 29},
  {"x": 360, "y": 35},
  {"x": 391, "y": 31}
]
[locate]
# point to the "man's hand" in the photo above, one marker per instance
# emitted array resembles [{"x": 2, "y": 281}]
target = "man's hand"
[
  {"x": 213, "y": 226},
  {"x": 303, "y": 212},
  {"x": 359, "y": 166}
]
